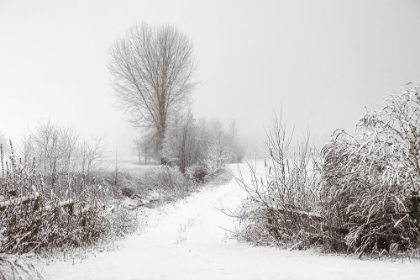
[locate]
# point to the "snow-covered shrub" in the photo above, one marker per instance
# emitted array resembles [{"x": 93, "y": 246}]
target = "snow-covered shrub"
[
  {"x": 217, "y": 157},
  {"x": 368, "y": 180},
  {"x": 170, "y": 178},
  {"x": 282, "y": 203},
  {"x": 359, "y": 195},
  {"x": 196, "y": 173},
  {"x": 36, "y": 217},
  {"x": 223, "y": 177},
  {"x": 174, "y": 163},
  {"x": 18, "y": 267}
]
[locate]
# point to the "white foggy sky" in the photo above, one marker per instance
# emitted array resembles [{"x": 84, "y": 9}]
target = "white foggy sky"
[{"x": 320, "y": 61}]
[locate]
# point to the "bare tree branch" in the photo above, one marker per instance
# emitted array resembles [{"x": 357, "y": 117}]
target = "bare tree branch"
[{"x": 152, "y": 70}]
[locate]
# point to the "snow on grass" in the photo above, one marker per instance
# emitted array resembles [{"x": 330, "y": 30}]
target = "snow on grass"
[{"x": 185, "y": 240}]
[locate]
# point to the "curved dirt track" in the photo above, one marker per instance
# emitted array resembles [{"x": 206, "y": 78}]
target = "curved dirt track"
[{"x": 185, "y": 241}]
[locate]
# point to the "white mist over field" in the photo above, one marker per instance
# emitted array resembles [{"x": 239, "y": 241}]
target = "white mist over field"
[{"x": 320, "y": 62}]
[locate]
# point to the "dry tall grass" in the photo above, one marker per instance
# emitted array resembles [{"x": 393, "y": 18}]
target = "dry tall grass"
[
  {"x": 282, "y": 200},
  {"x": 359, "y": 194},
  {"x": 368, "y": 180},
  {"x": 39, "y": 217}
]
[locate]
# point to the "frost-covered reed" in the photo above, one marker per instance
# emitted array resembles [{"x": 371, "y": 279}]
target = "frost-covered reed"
[{"x": 359, "y": 194}]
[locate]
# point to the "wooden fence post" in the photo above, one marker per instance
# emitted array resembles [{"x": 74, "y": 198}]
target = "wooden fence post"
[
  {"x": 37, "y": 203},
  {"x": 71, "y": 209},
  {"x": 415, "y": 201}
]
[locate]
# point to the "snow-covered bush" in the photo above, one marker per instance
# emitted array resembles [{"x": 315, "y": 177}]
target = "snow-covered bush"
[
  {"x": 224, "y": 176},
  {"x": 170, "y": 178},
  {"x": 18, "y": 267},
  {"x": 38, "y": 217},
  {"x": 282, "y": 203},
  {"x": 359, "y": 195},
  {"x": 217, "y": 157},
  {"x": 368, "y": 180}
]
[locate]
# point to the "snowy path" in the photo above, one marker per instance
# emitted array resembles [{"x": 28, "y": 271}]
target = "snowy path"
[{"x": 184, "y": 241}]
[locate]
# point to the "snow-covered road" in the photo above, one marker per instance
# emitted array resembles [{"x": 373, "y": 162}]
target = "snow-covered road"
[{"x": 185, "y": 241}]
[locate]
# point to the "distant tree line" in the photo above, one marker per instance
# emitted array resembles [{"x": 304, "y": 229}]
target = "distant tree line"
[{"x": 191, "y": 142}]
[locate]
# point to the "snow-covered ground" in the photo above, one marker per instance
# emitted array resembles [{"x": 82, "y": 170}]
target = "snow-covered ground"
[{"x": 186, "y": 241}]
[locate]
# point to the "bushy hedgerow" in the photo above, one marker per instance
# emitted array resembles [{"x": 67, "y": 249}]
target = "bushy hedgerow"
[
  {"x": 368, "y": 180},
  {"x": 281, "y": 196},
  {"x": 36, "y": 217},
  {"x": 357, "y": 195}
]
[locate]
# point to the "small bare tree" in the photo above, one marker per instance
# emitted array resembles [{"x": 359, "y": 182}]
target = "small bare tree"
[
  {"x": 152, "y": 70},
  {"x": 281, "y": 207},
  {"x": 90, "y": 154},
  {"x": 53, "y": 146}
]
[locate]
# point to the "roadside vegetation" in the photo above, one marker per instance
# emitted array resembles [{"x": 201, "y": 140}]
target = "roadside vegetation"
[
  {"x": 359, "y": 194},
  {"x": 60, "y": 193},
  {"x": 57, "y": 192},
  {"x": 41, "y": 212}
]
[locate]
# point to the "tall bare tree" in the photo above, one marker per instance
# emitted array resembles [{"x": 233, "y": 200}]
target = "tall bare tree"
[{"x": 152, "y": 70}]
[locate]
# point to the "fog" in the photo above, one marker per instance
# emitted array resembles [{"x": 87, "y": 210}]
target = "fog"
[{"x": 317, "y": 62}]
